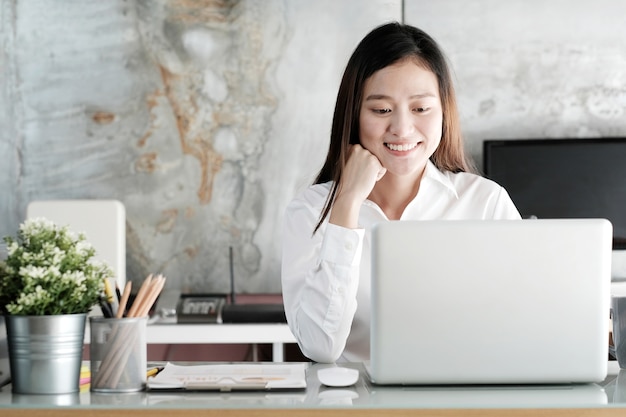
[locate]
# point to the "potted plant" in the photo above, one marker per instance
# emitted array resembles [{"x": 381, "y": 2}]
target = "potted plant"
[{"x": 48, "y": 283}]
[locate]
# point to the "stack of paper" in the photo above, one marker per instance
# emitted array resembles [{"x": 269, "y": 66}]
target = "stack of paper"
[{"x": 230, "y": 377}]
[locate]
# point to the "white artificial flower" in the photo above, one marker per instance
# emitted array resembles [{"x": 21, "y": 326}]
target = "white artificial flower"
[
  {"x": 31, "y": 299},
  {"x": 76, "y": 277},
  {"x": 35, "y": 272},
  {"x": 11, "y": 248},
  {"x": 43, "y": 273},
  {"x": 82, "y": 247}
]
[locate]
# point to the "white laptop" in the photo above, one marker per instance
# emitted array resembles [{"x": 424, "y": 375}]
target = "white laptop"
[{"x": 490, "y": 301}]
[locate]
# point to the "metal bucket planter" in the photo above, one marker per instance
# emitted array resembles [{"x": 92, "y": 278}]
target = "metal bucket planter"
[{"x": 45, "y": 353}]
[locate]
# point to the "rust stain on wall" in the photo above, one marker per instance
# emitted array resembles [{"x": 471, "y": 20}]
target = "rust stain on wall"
[
  {"x": 103, "y": 118},
  {"x": 146, "y": 162},
  {"x": 152, "y": 102},
  {"x": 197, "y": 145},
  {"x": 142, "y": 141},
  {"x": 201, "y": 11},
  {"x": 168, "y": 220},
  {"x": 191, "y": 251}
]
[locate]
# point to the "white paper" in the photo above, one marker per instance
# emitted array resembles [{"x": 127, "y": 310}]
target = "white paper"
[{"x": 229, "y": 377}]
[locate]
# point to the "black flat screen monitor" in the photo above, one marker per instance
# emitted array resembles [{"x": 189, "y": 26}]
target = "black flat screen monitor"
[{"x": 563, "y": 178}]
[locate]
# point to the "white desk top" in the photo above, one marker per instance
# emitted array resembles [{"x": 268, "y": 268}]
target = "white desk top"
[{"x": 362, "y": 399}]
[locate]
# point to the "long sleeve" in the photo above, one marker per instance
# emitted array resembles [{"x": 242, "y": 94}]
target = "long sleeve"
[
  {"x": 320, "y": 277},
  {"x": 326, "y": 273}
]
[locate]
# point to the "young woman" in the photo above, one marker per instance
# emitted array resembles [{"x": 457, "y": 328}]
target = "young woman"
[{"x": 396, "y": 153}]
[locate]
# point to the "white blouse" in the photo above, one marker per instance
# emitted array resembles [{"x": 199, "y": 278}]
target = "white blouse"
[{"x": 326, "y": 275}]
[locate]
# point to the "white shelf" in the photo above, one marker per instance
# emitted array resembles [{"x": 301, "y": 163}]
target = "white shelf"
[
  {"x": 275, "y": 334},
  {"x": 219, "y": 333}
]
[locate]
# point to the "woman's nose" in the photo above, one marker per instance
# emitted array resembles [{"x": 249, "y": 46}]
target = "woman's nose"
[{"x": 401, "y": 124}]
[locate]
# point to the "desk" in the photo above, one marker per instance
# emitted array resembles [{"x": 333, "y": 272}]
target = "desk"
[
  {"x": 604, "y": 400},
  {"x": 276, "y": 334}
]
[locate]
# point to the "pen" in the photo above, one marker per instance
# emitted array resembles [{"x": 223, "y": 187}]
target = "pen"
[
  {"x": 107, "y": 311},
  {"x": 153, "y": 371},
  {"x": 118, "y": 293},
  {"x": 110, "y": 299}
]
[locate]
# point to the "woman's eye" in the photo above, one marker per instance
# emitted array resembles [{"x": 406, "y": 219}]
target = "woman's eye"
[
  {"x": 382, "y": 111},
  {"x": 422, "y": 109}
]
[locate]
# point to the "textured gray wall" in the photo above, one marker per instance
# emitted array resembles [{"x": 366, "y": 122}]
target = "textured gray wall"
[
  {"x": 205, "y": 117},
  {"x": 532, "y": 68}
]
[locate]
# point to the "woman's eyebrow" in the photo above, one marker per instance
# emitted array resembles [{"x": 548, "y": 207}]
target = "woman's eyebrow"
[{"x": 385, "y": 97}]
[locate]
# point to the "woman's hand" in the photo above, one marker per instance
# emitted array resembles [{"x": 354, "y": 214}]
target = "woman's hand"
[{"x": 359, "y": 176}]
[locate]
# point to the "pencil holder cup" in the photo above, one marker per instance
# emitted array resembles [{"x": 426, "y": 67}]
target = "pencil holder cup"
[{"x": 118, "y": 354}]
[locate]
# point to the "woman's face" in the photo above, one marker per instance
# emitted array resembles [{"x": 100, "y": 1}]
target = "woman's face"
[{"x": 401, "y": 117}]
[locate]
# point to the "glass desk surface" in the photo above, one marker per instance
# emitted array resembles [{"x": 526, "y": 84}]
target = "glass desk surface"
[{"x": 610, "y": 394}]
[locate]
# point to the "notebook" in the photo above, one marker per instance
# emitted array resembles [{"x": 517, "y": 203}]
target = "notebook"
[{"x": 490, "y": 301}]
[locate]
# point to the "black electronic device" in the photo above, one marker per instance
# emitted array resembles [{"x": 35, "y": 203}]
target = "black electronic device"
[
  {"x": 254, "y": 313},
  {"x": 174, "y": 307},
  {"x": 200, "y": 308},
  {"x": 563, "y": 178},
  {"x": 215, "y": 308}
]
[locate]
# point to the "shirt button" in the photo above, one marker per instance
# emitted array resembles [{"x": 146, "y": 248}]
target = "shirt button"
[{"x": 348, "y": 246}]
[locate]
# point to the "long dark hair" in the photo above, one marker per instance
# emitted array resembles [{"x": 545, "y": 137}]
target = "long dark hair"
[{"x": 384, "y": 46}]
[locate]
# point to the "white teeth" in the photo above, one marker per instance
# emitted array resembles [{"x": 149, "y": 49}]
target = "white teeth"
[{"x": 404, "y": 147}]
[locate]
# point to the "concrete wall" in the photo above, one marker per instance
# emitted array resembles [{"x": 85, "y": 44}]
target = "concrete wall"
[
  {"x": 532, "y": 68},
  {"x": 204, "y": 118}
]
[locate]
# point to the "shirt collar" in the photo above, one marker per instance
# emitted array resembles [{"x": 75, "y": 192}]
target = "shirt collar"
[{"x": 432, "y": 173}]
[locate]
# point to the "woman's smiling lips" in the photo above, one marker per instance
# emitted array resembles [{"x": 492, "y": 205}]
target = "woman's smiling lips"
[{"x": 401, "y": 147}]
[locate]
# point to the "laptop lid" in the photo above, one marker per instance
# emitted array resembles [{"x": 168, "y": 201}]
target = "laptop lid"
[{"x": 490, "y": 301}]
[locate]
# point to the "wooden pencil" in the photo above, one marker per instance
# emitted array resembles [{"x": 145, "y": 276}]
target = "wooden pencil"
[
  {"x": 124, "y": 300},
  {"x": 151, "y": 296},
  {"x": 140, "y": 295}
]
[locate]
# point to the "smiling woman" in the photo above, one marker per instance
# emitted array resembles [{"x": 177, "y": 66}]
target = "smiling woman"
[
  {"x": 396, "y": 153},
  {"x": 401, "y": 120}
]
